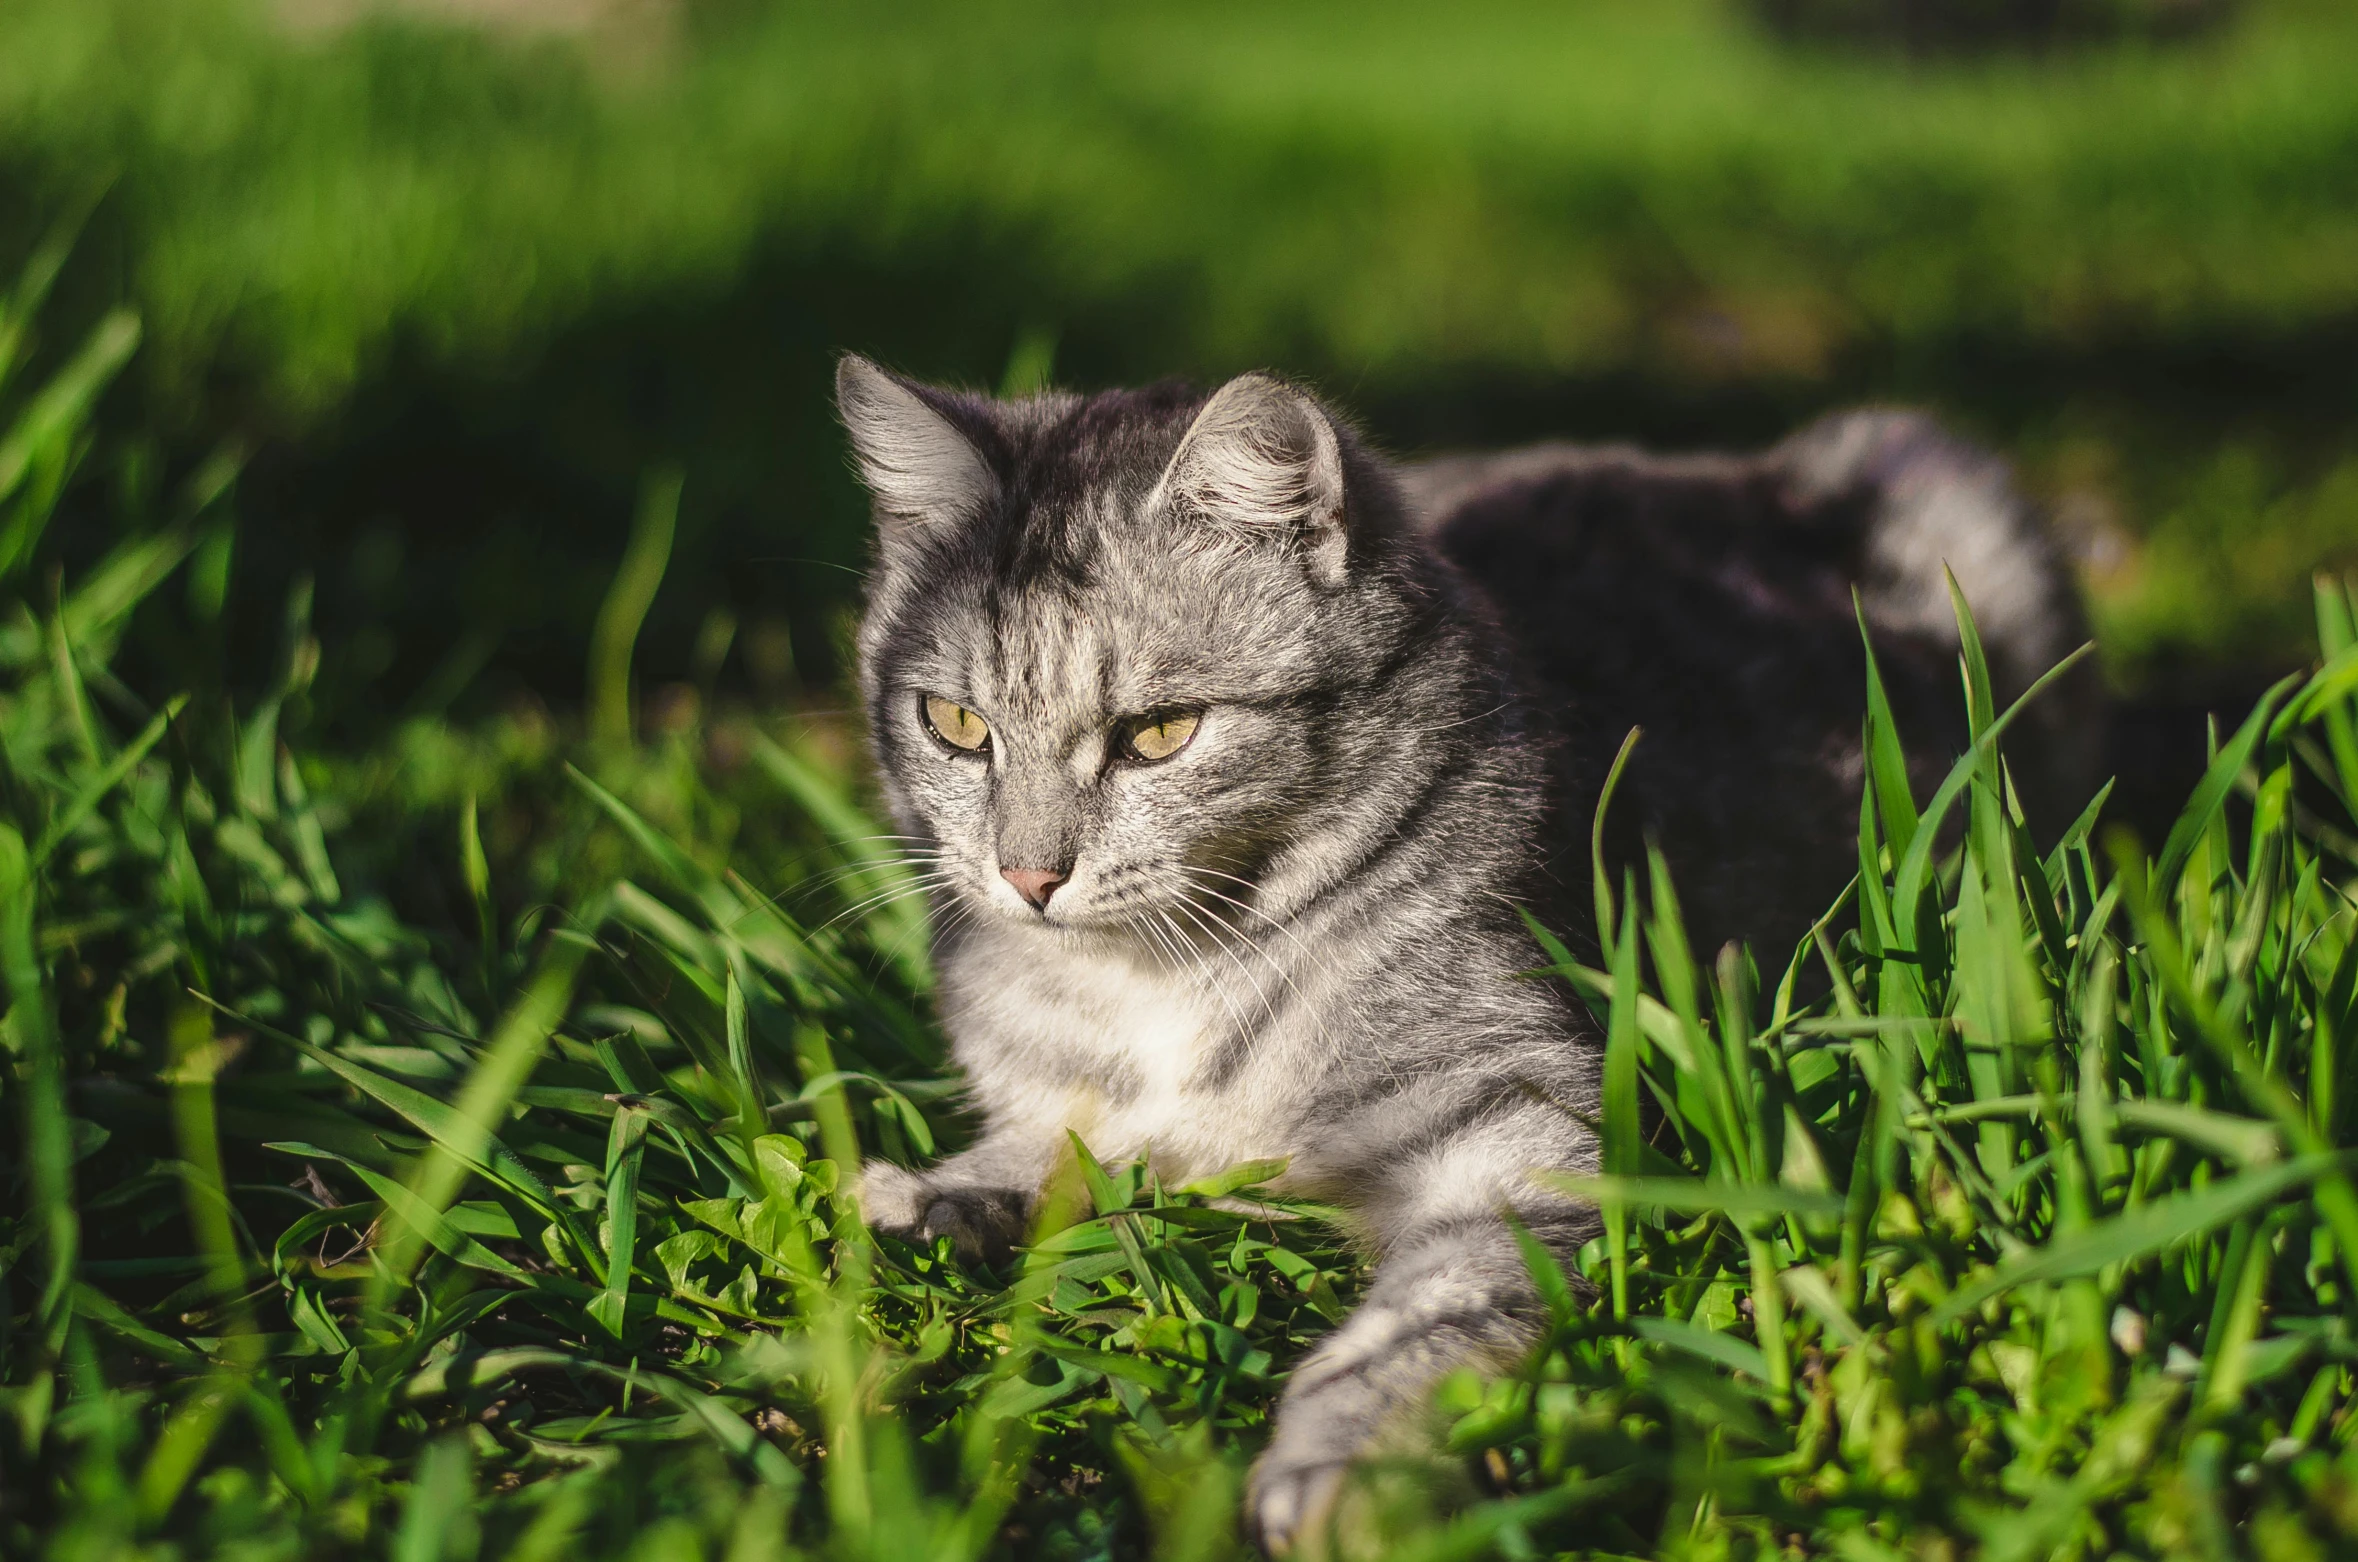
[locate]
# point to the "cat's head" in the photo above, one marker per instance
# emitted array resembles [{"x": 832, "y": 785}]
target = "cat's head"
[{"x": 1120, "y": 650}]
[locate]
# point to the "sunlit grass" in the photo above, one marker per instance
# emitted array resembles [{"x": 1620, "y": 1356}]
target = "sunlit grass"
[{"x": 1536, "y": 189}]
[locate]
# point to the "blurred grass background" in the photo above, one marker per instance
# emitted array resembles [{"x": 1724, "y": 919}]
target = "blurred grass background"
[{"x": 459, "y": 271}]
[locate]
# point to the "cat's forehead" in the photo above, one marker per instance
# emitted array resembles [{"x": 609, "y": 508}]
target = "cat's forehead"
[
  {"x": 1148, "y": 620},
  {"x": 1073, "y": 444},
  {"x": 1058, "y": 652},
  {"x": 1044, "y": 659}
]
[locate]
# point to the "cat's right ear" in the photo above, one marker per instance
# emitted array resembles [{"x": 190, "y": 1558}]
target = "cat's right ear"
[
  {"x": 1262, "y": 458},
  {"x": 919, "y": 466}
]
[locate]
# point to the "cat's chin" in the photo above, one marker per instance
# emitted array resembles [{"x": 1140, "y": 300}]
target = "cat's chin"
[
  {"x": 1052, "y": 922},
  {"x": 1085, "y": 931},
  {"x": 1083, "y": 926}
]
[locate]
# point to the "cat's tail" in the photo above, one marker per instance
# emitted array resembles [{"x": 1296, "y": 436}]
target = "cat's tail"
[
  {"x": 1924, "y": 500},
  {"x": 1928, "y": 504}
]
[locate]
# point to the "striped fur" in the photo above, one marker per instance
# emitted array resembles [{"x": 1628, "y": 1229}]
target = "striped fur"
[{"x": 1300, "y": 937}]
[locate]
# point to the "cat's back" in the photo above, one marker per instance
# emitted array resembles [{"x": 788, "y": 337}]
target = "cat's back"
[{"x": 1709, "y": 600}]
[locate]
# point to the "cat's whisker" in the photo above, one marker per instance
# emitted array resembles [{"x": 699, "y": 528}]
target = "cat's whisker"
[
  {"x": 959, "y": 913},
  {"x": 1319, "y": 961},
  {"x": 923, "y": 884},
  {"x": 923, "y": 927},
  {"x": 1315, "y": 956},
  {"x": 818, "y": 883},
  {"x": 935, "y": 874},
  {"x": 1166, "y": 954},
  {"x": 1211, "y": 930},
  {"x": 1451, "y": 726},
  {"x": 807, "y": 888},
  {"x": 1235, "y": 1017}
]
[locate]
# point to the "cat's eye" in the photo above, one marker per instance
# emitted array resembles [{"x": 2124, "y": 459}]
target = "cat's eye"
[
  {"x": 1158, "y": 736},
  {"x": 955, "y": 725}
]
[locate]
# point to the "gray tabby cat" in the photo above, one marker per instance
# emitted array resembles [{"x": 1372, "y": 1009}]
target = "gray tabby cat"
[{"x": 1228, "y": 785}]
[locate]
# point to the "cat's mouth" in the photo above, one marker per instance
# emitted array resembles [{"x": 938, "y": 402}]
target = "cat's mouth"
[
  {"x": 1176, "y": 915},
  {"x": 1177, "y": 910},
  {"x": 1089, "y": 905},
  {"x": 1068, "y": 898}
]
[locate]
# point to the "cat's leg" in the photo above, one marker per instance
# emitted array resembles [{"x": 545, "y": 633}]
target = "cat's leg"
[
  {"x": 1450, "y": 1293},
  {"x": 980, "y": 1198}
]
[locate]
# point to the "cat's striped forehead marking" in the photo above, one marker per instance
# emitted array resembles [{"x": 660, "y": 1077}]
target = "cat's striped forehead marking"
[
  {"x": 1055, "y": 519},
  {"x": 1045, "y": 666},
  {"x": 1062, "y": 650}
]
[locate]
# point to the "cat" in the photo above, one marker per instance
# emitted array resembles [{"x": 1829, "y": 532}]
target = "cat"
[{"x": 1230, "y": 759}]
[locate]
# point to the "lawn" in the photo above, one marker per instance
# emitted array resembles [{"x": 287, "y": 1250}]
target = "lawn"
[{"x": 441, "y": 1148}]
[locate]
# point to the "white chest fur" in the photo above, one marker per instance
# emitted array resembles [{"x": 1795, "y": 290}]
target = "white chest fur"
[{"x": 1121, "y": 1049}]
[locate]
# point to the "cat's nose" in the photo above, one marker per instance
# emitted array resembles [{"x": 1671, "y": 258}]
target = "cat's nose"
[{"x": 1034, "y": 884}]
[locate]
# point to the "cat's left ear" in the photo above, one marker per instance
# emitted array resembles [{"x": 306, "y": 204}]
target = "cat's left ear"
[
  {"x": 920, "y": 467},
  {"x": 1262, "y": 458}
]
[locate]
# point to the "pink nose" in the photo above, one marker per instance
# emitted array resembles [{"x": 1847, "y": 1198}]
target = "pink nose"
[{"x": 1033, "y": 884}]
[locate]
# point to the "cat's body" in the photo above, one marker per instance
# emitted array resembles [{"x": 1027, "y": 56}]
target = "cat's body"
[
  {"x": 1231, "y": 788},
  {"x": 1708, "y": 599}
]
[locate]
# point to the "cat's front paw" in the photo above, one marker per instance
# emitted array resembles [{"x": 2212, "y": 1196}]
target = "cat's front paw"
[
  {"x": 982, "y": 1223},
  {"x": 892, "y": 1198},
  {"x": 1289, "y": 1502}
]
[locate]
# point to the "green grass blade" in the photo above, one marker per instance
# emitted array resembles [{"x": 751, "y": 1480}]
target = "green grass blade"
[
  {"x": 1916, "y": 863},
  {"x": 616, "y": 633},
  {"x": 469, "y": 1127},
  {"x": 1980, "y": 704},
  {"x": 626, "y": 1151},
  {"x": 1693, "y": 1196},
  {"x": 41, "y": 1098},
  {"x": 2210, "y": 794},
  {"x": 1601, "y": 881},
  {"x": 54, "y": 416},
  {"x": 1887, "y": 761},
  {"x": 1621, "y": 1129},
  {"x": 2140, "y": 1233},
  {"x": 1720, "y": 1349},
  {"x": 95, "y": 790},
  {"x": 884, "y": 884}
]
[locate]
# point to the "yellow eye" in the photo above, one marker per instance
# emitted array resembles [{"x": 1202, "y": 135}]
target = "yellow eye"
[
  {"x": 955, "y": 724},
  {"x": 1159, "y": 737}
]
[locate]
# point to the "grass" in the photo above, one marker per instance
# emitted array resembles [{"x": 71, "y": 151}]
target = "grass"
[
  {"x": 443, "y": 1152},
  {"x": 1541, "y": 189}
]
